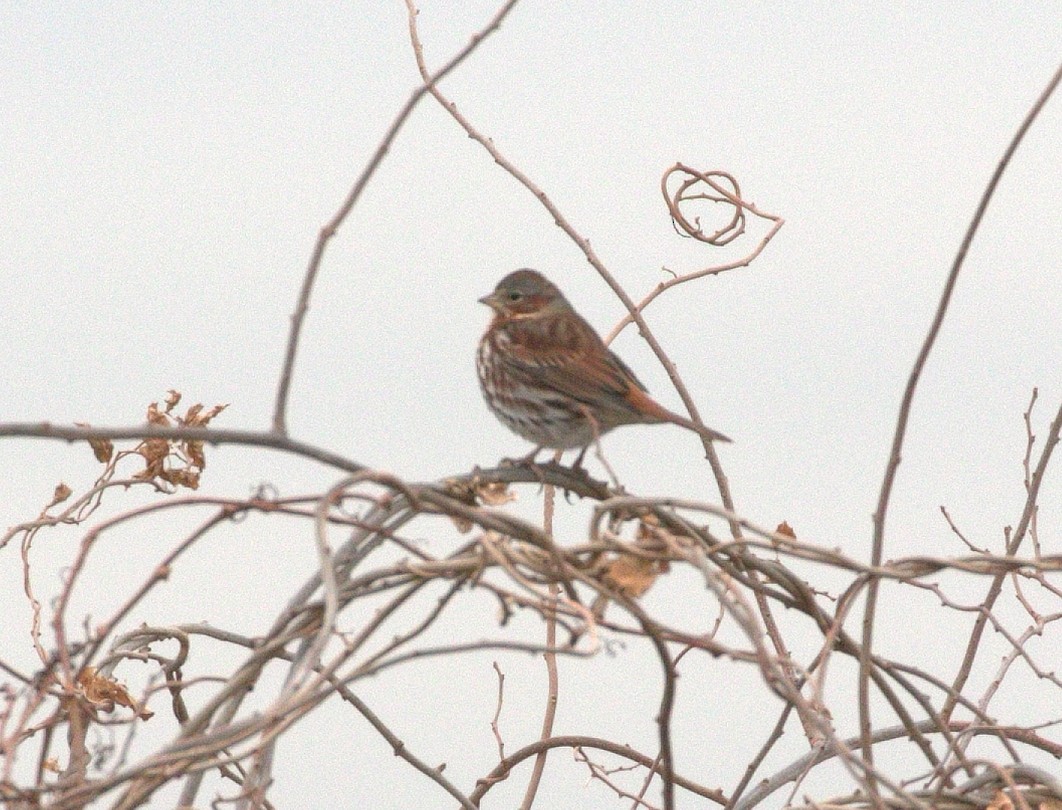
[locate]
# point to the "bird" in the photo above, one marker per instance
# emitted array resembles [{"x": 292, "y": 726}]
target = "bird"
[{"x": 550, "y": 378}]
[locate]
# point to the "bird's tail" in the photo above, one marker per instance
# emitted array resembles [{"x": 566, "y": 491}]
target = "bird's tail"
[
  {"x": 703, "y": 430},
  {"x": 649, "y": 410}
]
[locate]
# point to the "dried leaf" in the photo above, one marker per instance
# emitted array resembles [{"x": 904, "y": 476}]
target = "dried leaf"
[
  {"x": 194, "y": 451},
  {"x": 103, "y": 449},
  {"x": 195, "y": 417},
  {"x": 653, "y": 537},
  {"x": 179, "y": 463},
  {"x": 157, "y": 417},
  {"x": 631, "y": 575},
  {"x": 154, "y": 450},
  {"x": 496, "y": 493},
  {"x": 51, "y": 764},
  {"x": 187, "y": 478},
  {"x": 213, "y": 412},
  {"x": 785, "y": 530},
  {"x": 100, "y": 690},
  {"x": 463, "y": 525},
  {"x": 1000, "y": 802},
  {"x": 460, "y": 490},
  {"x": 62, "y": 492}
]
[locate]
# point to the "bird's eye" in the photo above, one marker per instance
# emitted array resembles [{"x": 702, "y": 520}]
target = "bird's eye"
[{"x": 514, "y": 295}]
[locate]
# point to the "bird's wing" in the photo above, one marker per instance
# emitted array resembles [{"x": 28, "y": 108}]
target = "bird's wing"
[
  {"x": 626, "y": 370},
  {"x": 566, "y": 355}
]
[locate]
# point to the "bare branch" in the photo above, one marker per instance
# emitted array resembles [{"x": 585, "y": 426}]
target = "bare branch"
[{"x": 878, "y": 542}]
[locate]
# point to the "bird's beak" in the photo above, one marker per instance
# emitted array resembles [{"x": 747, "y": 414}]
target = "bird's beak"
[{"x": 491, "y": 301}]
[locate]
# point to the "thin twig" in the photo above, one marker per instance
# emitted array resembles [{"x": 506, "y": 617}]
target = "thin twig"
[
  {"x": 550, "y": 657},
  {"x": 878, "y": 543},
  {"x": 329, "y": 229}
]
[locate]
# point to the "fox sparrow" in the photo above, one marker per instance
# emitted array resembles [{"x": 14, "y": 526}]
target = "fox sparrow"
[{"x": 548, "y": 376}]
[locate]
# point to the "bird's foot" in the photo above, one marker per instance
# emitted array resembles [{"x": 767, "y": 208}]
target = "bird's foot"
[
  {"x": 529, "y": 463},
  {"x": 577, "y": 467},
  {"x": 522, "y": 461}
]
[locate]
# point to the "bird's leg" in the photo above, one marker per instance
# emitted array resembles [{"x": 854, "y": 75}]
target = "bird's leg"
[
  {"x": 529, "y": 462},
  {"x": 595, "y": 437},
  {"x": 578, "y": 465},
  {"x": 595, "y": 442}
]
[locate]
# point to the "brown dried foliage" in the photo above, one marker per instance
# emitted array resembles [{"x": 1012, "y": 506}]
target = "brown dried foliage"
[{"x": 178, "y": 463}]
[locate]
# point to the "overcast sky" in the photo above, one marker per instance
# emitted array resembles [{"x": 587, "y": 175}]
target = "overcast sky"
[{"x": 166, "y": 168}]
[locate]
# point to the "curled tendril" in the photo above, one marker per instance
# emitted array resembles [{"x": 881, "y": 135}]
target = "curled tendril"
[{"x": 703, "y": 186}]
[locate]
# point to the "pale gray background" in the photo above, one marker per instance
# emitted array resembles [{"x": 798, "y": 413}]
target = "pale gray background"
[{"x": 165, "y": 170}]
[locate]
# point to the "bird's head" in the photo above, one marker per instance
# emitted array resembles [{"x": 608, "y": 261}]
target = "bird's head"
[{"x": 524, "y": 294}]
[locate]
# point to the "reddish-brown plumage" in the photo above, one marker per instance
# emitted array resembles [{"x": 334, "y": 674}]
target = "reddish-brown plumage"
[{"x": 547, "y": 375}]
